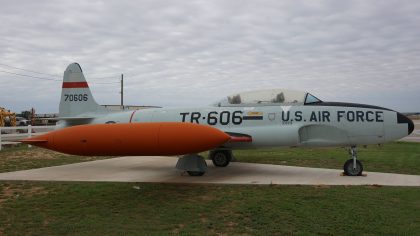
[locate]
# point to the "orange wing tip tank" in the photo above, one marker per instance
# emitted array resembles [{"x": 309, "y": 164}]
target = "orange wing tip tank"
[{"x": 132, "y": 139}]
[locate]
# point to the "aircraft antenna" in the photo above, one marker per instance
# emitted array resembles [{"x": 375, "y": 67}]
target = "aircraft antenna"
[{"x": 122, "y": 91}]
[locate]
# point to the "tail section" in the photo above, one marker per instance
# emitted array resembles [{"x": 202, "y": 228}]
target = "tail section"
[{"x": 76, "y": 98}]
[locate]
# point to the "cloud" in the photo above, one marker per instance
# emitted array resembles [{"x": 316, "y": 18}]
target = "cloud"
[{"x": 192, "y": 53}]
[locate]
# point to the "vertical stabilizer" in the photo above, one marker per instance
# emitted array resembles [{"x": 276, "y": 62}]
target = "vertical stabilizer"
[{"x": 76, "y": 98}]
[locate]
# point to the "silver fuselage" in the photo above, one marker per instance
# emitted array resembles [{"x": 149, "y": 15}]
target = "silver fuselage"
[{"x": 277, "y": 126}]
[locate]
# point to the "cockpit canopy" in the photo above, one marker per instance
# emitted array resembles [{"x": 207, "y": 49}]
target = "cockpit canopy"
[{"x": 269, "y": 97}]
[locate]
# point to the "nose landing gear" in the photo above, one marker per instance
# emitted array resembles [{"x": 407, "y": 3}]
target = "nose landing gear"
[{"x": 353, "y": 167}]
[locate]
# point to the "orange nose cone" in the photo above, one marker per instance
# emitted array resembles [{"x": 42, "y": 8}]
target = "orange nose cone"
[{"x": 139, "y": 139}]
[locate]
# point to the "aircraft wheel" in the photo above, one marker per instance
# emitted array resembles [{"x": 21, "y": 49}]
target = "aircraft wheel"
[
  {"x": 350, "y": 171},
  {"x": 221, "y": 158},
  {"x": 196, "y": 173}
]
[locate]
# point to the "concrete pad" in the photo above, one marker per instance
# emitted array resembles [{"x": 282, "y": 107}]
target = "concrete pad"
[
  {"x": 415, "y": 139},
  {"x": 162, "y": 170}
]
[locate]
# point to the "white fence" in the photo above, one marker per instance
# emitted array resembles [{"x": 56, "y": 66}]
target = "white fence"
[{"x": 12, "y": 135}]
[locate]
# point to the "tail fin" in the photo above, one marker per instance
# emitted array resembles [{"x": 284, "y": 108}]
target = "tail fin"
[{"x": 76, "y": 98}]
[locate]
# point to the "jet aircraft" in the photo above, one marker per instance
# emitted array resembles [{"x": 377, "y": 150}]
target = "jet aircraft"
[{"x": 253, "y": 119}]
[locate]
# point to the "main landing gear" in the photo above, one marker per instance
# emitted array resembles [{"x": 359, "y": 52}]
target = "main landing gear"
[
  {"x": 353, "y": 167},
  {"x": 220, "y": 158},
  {"x": 195, "y": 165}
]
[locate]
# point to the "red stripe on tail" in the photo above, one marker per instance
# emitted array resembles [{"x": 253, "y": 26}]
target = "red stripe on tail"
[{"x": 75, "y": 85}]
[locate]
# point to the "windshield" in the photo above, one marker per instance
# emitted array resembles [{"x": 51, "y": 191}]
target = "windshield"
[{"x": 311, "y": 99}]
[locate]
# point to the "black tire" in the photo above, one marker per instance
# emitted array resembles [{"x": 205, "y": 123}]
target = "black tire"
[
  {"x": 350, "y": 171},
  {"x": 221, "y": 158},
  {"x": 196, "y": 173}
]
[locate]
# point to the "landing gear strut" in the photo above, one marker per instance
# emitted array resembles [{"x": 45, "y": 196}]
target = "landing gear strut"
[
  {"x": 353, "y": 167},
  {"x": 221, "y": 158}
]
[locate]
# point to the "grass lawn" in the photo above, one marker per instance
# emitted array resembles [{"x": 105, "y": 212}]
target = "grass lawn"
[
  {"x": 395, "y": 157},
  {"x": 57, "y": 208},
  {"x": 23, "y": 158},
  {"x": 42, "y": 208}
]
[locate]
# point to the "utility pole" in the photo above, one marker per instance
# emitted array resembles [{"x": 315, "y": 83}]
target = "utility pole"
[{"x": 122, "y": 91}]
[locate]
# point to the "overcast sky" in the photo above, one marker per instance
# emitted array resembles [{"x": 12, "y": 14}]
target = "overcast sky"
[{"x": 192, "y": 53}]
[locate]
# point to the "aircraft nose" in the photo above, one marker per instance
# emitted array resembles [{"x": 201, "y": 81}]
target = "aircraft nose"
[{"x": 404, "y": 119}]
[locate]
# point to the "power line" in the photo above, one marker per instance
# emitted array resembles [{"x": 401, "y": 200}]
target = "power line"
[
  {"x": 36, "y": 72},
  {"x": 56, "y": 75},
  {"x": 108, "y": 77},
  {"x": 31, "y": 76},
  {"x": 103, "y": 82},
  {"x": 51, "y": 79}
]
